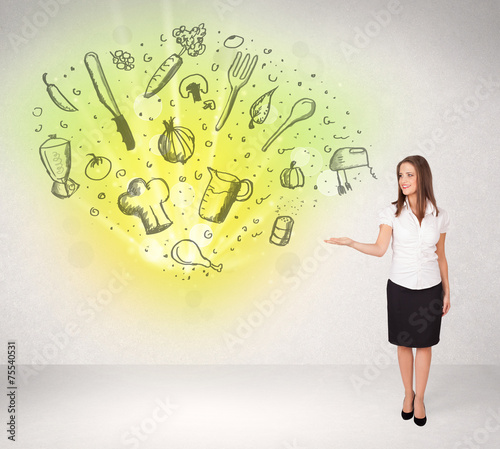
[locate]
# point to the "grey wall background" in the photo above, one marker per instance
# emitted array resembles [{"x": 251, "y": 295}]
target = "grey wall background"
[{"x": 433, "y": 73}]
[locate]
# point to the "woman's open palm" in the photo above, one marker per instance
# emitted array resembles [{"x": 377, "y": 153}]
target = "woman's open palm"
[{"x": 346, "y": 241}]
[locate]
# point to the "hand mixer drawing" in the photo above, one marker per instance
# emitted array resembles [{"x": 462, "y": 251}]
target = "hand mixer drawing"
[{"x": 239, "y": 73}]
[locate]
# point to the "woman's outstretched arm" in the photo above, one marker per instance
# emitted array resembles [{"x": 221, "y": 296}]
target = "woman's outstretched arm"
[{"x": 372, "y": 249}]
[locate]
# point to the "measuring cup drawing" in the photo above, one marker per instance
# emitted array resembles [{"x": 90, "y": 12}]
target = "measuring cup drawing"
[{"x": 222, "y": 191}]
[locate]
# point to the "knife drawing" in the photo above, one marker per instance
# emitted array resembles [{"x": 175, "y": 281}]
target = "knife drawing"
[{"x": 106, "y": 97}]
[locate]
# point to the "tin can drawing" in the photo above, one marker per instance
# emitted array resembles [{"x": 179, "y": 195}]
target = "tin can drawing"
[{"x": 282, "y": 230}]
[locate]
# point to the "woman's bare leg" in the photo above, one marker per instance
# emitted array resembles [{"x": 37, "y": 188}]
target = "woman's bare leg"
[
  {"x": 422, "y": 366},
  {"x": 405, "y": 358}
]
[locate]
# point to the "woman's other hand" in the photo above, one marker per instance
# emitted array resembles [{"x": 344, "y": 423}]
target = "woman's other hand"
[{"x": 446, "y": 303}]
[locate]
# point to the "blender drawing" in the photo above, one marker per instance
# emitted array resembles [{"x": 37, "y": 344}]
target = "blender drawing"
[{"x": 55, "y": 153}]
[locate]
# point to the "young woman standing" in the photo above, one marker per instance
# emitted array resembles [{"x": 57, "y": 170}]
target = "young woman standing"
[{"x": 418, "y": 291}]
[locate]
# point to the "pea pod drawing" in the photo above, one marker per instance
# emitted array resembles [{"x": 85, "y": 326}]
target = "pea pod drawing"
[
  {"x": 260, "y": 109},
  {"x": 57, "y": 96}
]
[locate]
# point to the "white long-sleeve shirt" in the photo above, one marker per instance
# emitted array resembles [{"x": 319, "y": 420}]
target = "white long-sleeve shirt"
[{"x": 414, "y": 259}]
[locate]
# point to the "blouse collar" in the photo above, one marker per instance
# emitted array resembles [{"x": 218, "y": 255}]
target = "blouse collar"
[{"x": 429, "y": 207}]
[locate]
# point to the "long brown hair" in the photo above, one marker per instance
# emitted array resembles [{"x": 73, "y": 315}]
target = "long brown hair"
[{"x": 424, "y": 186}]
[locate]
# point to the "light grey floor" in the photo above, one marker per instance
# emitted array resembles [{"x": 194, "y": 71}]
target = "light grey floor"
[{"x": 287, "y": 407}]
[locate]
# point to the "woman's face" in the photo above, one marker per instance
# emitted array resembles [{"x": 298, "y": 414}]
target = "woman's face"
[{"x": 407, "y": 178}]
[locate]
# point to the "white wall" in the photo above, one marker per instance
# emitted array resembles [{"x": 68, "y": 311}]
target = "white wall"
[{"x": 429, "y": 61}]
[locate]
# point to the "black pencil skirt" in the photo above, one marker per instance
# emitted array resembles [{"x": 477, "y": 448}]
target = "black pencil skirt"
[{"x": 414, "y": 316}]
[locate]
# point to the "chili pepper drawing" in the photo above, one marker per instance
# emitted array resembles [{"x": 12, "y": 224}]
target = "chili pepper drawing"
[{"x": 57, "y": 96}]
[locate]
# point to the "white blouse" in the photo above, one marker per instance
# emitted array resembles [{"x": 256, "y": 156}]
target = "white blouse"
[{"x": 414, "y": 259}]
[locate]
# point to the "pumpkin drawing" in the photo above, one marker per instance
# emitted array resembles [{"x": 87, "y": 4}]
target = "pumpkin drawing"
[{"x": 292, "y": 177}]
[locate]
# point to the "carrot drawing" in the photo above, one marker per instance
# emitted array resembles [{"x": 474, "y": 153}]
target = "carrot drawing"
[{"x": 191, "y": 42}]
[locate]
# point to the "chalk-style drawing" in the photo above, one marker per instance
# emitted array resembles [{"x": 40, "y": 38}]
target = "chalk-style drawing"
[
  {"x": 191, "y": 42},
  {"x": 292, "y": 177},
  {"x": 238, "y": 75},
  {"x": 193, "y": 85},
  {"x": 37, "y": 112},
  {"x": 176, "y": 144},
  {"x": 222, "y": 191},
  {"x": 98, "y": 167},
  {"x": 282, "y": 230},
  {"x": 259, "y": 201},
  {"x": 123, "y": 60},
  {"x": 187, "y": 252},
  {"x": 106, "y": 97},
  {"x": 301, "y": 110},
  {"x": 209, "y": 104},
  {"x": 55, "y": 153},
  {"x": 57, "y": 96},
  {"x": 146, "y": 200},
  {"x": 233, "y": 41},
  {"x": 346, "y": 158},
  {"x": 260, "y": 109}
]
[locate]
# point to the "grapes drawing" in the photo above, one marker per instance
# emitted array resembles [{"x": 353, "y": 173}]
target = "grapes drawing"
[{"x": 123, "y": 60}]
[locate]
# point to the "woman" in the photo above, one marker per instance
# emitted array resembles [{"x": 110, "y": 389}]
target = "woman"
[{"x": 418, "y": 291}]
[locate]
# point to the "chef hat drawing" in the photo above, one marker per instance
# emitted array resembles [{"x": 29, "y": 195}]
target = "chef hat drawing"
[{"x": 145, "y": 200}]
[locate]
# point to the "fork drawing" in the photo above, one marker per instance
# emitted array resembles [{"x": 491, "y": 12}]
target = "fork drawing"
[{"x": 238, "y": 74}]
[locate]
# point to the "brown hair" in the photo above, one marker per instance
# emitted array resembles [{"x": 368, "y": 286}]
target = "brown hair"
[{"x": 424, "y": 186}]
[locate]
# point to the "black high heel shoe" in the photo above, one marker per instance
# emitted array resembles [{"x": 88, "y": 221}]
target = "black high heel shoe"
[
  {"x": 420, "y": 421},
  {"x": 408, "y": 415}
]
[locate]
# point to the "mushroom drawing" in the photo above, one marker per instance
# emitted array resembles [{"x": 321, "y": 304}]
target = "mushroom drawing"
[
  {"x": 193, "y": 84},
  {"x": 345, "y": 159},
  {"x": 145, "y": 200}
]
